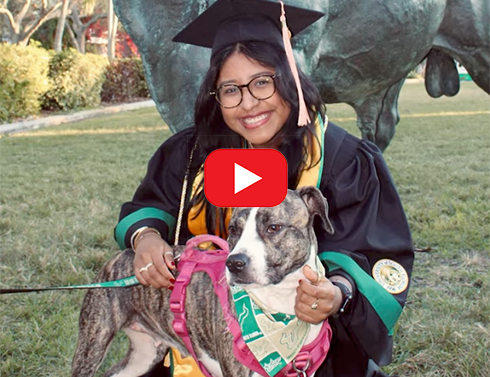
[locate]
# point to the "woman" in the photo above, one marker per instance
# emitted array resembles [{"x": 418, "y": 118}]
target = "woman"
[{"x": 250, "y": 98}]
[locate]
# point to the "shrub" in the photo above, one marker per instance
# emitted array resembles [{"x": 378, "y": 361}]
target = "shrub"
[
  {"x": 23, "y": 80},
  {"x": 125, "y": 81},
  {"x": 76, "y": 80},
  {"x": 414, "y": 75}
]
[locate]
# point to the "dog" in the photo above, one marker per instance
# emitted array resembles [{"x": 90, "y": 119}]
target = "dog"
[{"x": 269, "y": 247}]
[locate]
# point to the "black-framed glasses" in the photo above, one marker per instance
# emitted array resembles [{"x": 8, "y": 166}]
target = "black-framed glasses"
[{"x": 231, "y": 95}]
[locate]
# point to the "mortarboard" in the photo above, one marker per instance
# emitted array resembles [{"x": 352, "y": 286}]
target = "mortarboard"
[{"x": 231, "y": 21}]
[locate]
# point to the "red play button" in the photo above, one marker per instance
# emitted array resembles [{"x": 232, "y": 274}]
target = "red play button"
[{"x": 245, "y": 177}]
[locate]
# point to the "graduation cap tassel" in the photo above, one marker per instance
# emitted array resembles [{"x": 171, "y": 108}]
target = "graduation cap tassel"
[{"x": 303, "y": 116}]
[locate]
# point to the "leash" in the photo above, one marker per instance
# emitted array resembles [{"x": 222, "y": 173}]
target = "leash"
[{"x": 130, "y": 281}]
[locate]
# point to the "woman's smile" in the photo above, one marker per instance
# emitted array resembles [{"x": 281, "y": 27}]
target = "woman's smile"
[{"x": 254, "y": 121}]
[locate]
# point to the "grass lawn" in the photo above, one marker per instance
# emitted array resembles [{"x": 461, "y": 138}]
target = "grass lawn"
[{"x": 61, "y": 189}]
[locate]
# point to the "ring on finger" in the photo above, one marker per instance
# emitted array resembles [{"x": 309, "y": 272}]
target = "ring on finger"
[
  {"x": 169, "y": 252},
  {"x": 314, "y": 306},
  {"x": 146, "y": 267}
]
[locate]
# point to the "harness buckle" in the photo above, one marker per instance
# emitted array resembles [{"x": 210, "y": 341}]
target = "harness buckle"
[{"x": 180, "y": 327}]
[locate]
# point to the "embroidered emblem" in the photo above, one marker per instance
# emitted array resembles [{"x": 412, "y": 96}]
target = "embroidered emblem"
[
  {"x": 390, "y": 275},
  {"x": 269, "y": 367}
]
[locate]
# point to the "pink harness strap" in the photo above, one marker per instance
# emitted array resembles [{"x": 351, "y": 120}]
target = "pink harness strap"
[{"x": 213, "y": 262}]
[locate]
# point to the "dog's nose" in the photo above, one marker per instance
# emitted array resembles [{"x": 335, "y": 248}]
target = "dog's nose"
[{"x": 237, "y": 263}]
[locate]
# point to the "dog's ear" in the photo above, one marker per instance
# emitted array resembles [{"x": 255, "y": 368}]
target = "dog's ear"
[{"x": 317, "y": 205}]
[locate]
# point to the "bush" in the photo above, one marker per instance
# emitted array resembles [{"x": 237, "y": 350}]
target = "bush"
[
  {"x": 125, "y": 81},
  {"x": 32, "y": 77},
  {"x": 414, "y": 75},
  {"x": 23, "y": 80},
  {"x": 76, "y": 80}
]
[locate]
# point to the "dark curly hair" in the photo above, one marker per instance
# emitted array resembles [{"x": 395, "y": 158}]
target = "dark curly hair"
[{"x": 209, "y": 120}]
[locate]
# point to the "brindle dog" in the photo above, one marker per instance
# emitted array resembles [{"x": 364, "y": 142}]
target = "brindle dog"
[{"x": 269, "y": 248}]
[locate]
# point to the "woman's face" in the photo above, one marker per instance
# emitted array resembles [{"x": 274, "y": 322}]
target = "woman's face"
[{"x": 256, "y": 120}]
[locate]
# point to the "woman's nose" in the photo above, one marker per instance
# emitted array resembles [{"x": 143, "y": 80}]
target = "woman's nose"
[{"x": 248, "y": 100}]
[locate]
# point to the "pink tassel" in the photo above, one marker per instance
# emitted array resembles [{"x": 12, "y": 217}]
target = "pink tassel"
[{"x": 303, "y": 116}]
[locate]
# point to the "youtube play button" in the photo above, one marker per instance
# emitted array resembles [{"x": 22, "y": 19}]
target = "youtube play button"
[{"x": 245, "y": 177}]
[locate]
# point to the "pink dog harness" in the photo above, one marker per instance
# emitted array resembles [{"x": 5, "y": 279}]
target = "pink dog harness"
[{"x": 213, "y": 262}]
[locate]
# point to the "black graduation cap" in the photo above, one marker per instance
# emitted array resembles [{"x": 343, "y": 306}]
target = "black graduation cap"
[{"x": 230, "y": 21}]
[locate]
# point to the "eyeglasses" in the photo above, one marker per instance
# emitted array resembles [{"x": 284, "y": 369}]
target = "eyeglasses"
[{"x": 231, "y": 95}]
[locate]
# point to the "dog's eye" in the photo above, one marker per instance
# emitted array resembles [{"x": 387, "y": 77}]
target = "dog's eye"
[
  {"x": 231, "y": 230},
  {"x": 274, "y": 228}
]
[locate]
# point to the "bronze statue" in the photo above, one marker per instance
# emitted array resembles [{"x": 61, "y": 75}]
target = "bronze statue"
[{"x": 359, "y": 53}]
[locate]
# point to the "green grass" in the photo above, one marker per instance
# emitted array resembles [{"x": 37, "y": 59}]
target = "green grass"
[{"x": 61, "y": 189}]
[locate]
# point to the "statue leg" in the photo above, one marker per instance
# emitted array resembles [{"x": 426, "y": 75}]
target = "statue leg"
[
  {"x": 173, "y": 71},
  {"x": 478, "y": 67},
  {"x": 377, "y": 115}
]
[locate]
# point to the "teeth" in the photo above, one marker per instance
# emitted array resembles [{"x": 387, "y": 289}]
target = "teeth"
[{"x": 254, "y": 119}]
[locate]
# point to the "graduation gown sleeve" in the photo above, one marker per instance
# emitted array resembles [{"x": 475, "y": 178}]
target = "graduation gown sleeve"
[
  {"x": 156, "y": 201},
  {"x": 370, "y": 226}
]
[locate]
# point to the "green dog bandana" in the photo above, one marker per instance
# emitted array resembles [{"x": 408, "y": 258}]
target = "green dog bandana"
[{"x": 274, "y": 338}]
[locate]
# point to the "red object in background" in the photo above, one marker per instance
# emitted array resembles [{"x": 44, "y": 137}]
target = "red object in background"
[
  {"x": 125, "y": 47},
  {"x": 245, "y": 178}
]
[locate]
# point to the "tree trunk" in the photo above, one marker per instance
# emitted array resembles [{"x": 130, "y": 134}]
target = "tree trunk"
[
  {"x": 58, "y": 39},
  {"x": 79, "y": 28},
  {"x": 111, "y": 30},
  {"x": 73, "y": 37},
  {"x": 22, "y": 33},
  {"x": 81, "y": 42},
  {"x": 22, "y": 30},
  {"x": 14, "y": 26}
]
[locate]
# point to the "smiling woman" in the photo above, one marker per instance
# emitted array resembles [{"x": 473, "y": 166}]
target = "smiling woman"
[{"x": 253, "y": 97}]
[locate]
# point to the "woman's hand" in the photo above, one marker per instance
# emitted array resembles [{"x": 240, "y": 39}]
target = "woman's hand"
[
  {"x": 153, "y": 261},
  {"x": 328, "y": 298}
]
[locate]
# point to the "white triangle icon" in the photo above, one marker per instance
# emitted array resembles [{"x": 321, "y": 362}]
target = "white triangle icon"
[{"x": 244, "y": 178}]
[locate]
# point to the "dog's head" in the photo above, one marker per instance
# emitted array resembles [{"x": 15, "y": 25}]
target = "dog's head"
[{"x": 268, "y": 243}]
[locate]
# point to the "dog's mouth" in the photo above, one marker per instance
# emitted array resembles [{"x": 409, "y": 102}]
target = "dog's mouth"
[
  {"x": 234, "y": 280},
  {"x": 243, "y": 280}
]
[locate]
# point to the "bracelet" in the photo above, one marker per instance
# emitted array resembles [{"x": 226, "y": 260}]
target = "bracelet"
[
  {"x": 136, "y": 234},
  {"x": 140, "y": 233},
  {"x": 345, "y": 276},
  {"x": 346, "y": 297}
]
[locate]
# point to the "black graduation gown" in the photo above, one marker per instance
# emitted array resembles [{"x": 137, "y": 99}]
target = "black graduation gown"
[{"x": 369, "y": 223}]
